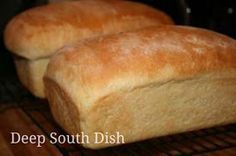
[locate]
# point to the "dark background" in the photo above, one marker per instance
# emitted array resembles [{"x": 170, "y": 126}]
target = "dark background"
[{"x": 217, "y": 15}]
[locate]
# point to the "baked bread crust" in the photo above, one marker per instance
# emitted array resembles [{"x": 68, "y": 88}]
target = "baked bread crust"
[
  {"x": 39, "y": 32},
  {"x": 148, "y": 83},
  {"x": 30, "y": 73}
]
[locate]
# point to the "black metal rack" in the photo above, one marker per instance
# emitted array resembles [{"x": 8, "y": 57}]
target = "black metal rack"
[{"x": 190, "y": 143}]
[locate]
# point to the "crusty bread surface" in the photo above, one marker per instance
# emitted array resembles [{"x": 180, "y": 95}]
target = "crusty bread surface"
[
  {"x": 144, "y": 84},
  {"x": 38, "y": 33},
  {"x": 30, "y": 73}
]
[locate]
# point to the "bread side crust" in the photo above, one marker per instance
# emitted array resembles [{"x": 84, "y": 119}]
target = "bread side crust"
[
  {"x": 65, "y": 112},
  {"x": 30, "y": 73},
  {"x": 151, "y": 110}
]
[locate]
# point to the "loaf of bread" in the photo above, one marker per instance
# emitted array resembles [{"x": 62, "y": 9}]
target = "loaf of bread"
[
  {"x": 36, "y": 34},
  {"x": 144, "y": 84}
]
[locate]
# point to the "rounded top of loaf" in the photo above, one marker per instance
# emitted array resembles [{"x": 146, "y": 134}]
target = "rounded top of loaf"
[
  {"x": 40, "y": 31},
  {"x": 106, "y": 64}
]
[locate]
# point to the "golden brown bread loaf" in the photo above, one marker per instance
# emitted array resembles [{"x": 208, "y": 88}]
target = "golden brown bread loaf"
[
  {"x": 37, "y": 33},
  {"x": 40, "y": 31},
  {"x": 152, "y": 82}
]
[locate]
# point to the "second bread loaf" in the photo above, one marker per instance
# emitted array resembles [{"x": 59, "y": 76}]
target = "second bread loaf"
[
  {"x": 152, "y": 82},
  {"x": 36, "y": 34}
]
